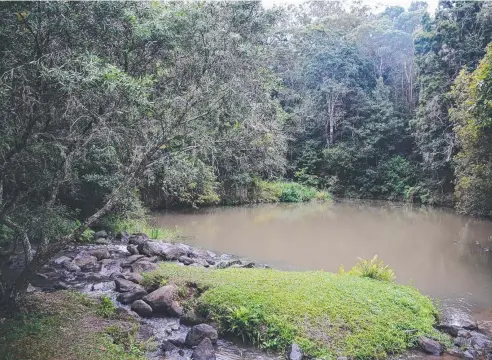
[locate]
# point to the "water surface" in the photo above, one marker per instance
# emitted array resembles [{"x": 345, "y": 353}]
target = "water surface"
[{"x": 443, "y": 254}]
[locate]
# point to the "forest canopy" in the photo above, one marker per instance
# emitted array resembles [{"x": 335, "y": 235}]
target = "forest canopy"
[{"x": 108, "y": 108}]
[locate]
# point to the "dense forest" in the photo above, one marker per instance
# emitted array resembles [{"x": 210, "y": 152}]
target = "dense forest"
[{"x": 109, "y": 108}]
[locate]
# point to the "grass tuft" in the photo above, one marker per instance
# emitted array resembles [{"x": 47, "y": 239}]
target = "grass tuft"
[{"x": 328, "y": 315}]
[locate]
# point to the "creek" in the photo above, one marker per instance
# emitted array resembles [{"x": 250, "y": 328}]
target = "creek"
[{"x": 443, "y": 254}]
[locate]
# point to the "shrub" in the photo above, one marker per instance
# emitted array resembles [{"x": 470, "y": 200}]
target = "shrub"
[
  {"x": 288, "y": 192},
  {"x": 373, "y": 269},
  {"x": 86, "y": 237},
  {"x": 106, "y": 308}
]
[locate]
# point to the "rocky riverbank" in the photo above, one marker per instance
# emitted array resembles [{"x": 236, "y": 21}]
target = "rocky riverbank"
[{"x": 114, "y": 267}]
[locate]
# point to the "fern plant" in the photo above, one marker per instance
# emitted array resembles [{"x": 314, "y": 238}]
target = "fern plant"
[{"x": 374, "y": 269}]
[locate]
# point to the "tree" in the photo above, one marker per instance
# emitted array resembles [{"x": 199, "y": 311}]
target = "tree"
[
  {"x": 455, "y": 39},
  {"x": 472, "y": 119},
  {"x": 101, "y": 119}
]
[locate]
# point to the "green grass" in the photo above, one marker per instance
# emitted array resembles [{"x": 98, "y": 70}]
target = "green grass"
[
  {"x": 281, "y": 191},
  {"x": 66, "y": 325},
  {"x": 327, "y": 314}
]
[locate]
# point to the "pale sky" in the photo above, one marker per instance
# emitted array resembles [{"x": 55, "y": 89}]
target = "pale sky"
[{"x": 432, "y": 4}]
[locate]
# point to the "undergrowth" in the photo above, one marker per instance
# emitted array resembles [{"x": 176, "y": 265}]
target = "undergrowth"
[
  {"x": 106, "y": 308},
  {"x": 66, "y": 325},
  {"x": 328, "y": 315},
  {"x": 280, "y": 191}
]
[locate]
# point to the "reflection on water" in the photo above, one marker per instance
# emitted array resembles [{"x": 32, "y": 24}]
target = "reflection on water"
[{"x": 443, "y": 254}]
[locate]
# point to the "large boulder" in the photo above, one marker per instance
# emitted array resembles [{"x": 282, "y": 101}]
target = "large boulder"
[
  {"x": 61, "y": 260},
  {"x": 480, "y": 341},
  {"x": 152, "y": 248},
  {"x": 101, "y": 234},
  {"x": 87, "y": 262},
  {"x": 186, "y": 260},
  {"x": 130, "y": 260},
  {"x": 131, "y": 296},
  {"x": 91, "y": 267},
  {"x": 126, "y": 314},
  {"x": 137, "y": 239},
  {"x": 164, "y": 300},
  {"x": 453, "y": 319},
  {"x": 100, "y": 254},
  {"x": 143, "y": 266},
  {"x": 71, "y": 266},
  {"x": 178, "y": 339},
  {"x": 134, "y": 277},
  {"x": 132, "y": 249},
  {"x": 102, "y": 241},
  {"x": 111, "y": 268},
  {"x": 204, "y": 351},
  {"x": 142, "y": 308},
  {"x": 191, "y": 318},
  {"x": 199, "y": 332},
  {"x": 430, "y": 346},
  {"x": 294, "y": 352},
  {"x": 164, "y": 250},
  {"x": 123, "y": 285},
  {"x": 205, "y": 254},
  {"x": 84, "y": 259}
]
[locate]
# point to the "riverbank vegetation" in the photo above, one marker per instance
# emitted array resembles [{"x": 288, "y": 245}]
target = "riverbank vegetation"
[
  {"x": 327, "y": 314},
  {"x": 66, "y": 325}
]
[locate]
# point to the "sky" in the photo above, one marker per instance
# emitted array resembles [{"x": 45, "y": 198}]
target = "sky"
[{"x": 373, "y": 3}]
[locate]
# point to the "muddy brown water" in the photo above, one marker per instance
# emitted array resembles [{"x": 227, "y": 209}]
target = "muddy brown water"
[{"x": 443, "y": 254}]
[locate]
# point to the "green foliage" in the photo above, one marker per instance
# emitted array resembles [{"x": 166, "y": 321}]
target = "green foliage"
[
  {"x": 100, "y": 133},
  {"x": 245, "y": 323},
  {"x": 293, "y": 192},
  {"x": 373, "y": 269},
  {"x": 184, "y": 181},
  {"x": 455, "y": 39},
  {"x": 288, "y": 192},
  {"x": 86, "y": 237},
  {"x": 328, "y": 315},
  {"x": 105, "y": 308},
  {"x": 122, "y": 342},
  {"x": 473, "y": 128}
]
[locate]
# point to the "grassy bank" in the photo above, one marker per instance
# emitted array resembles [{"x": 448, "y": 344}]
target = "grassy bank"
[
  {"x": 328, "y": 315},
  {"x": 65, "y": 325}
]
